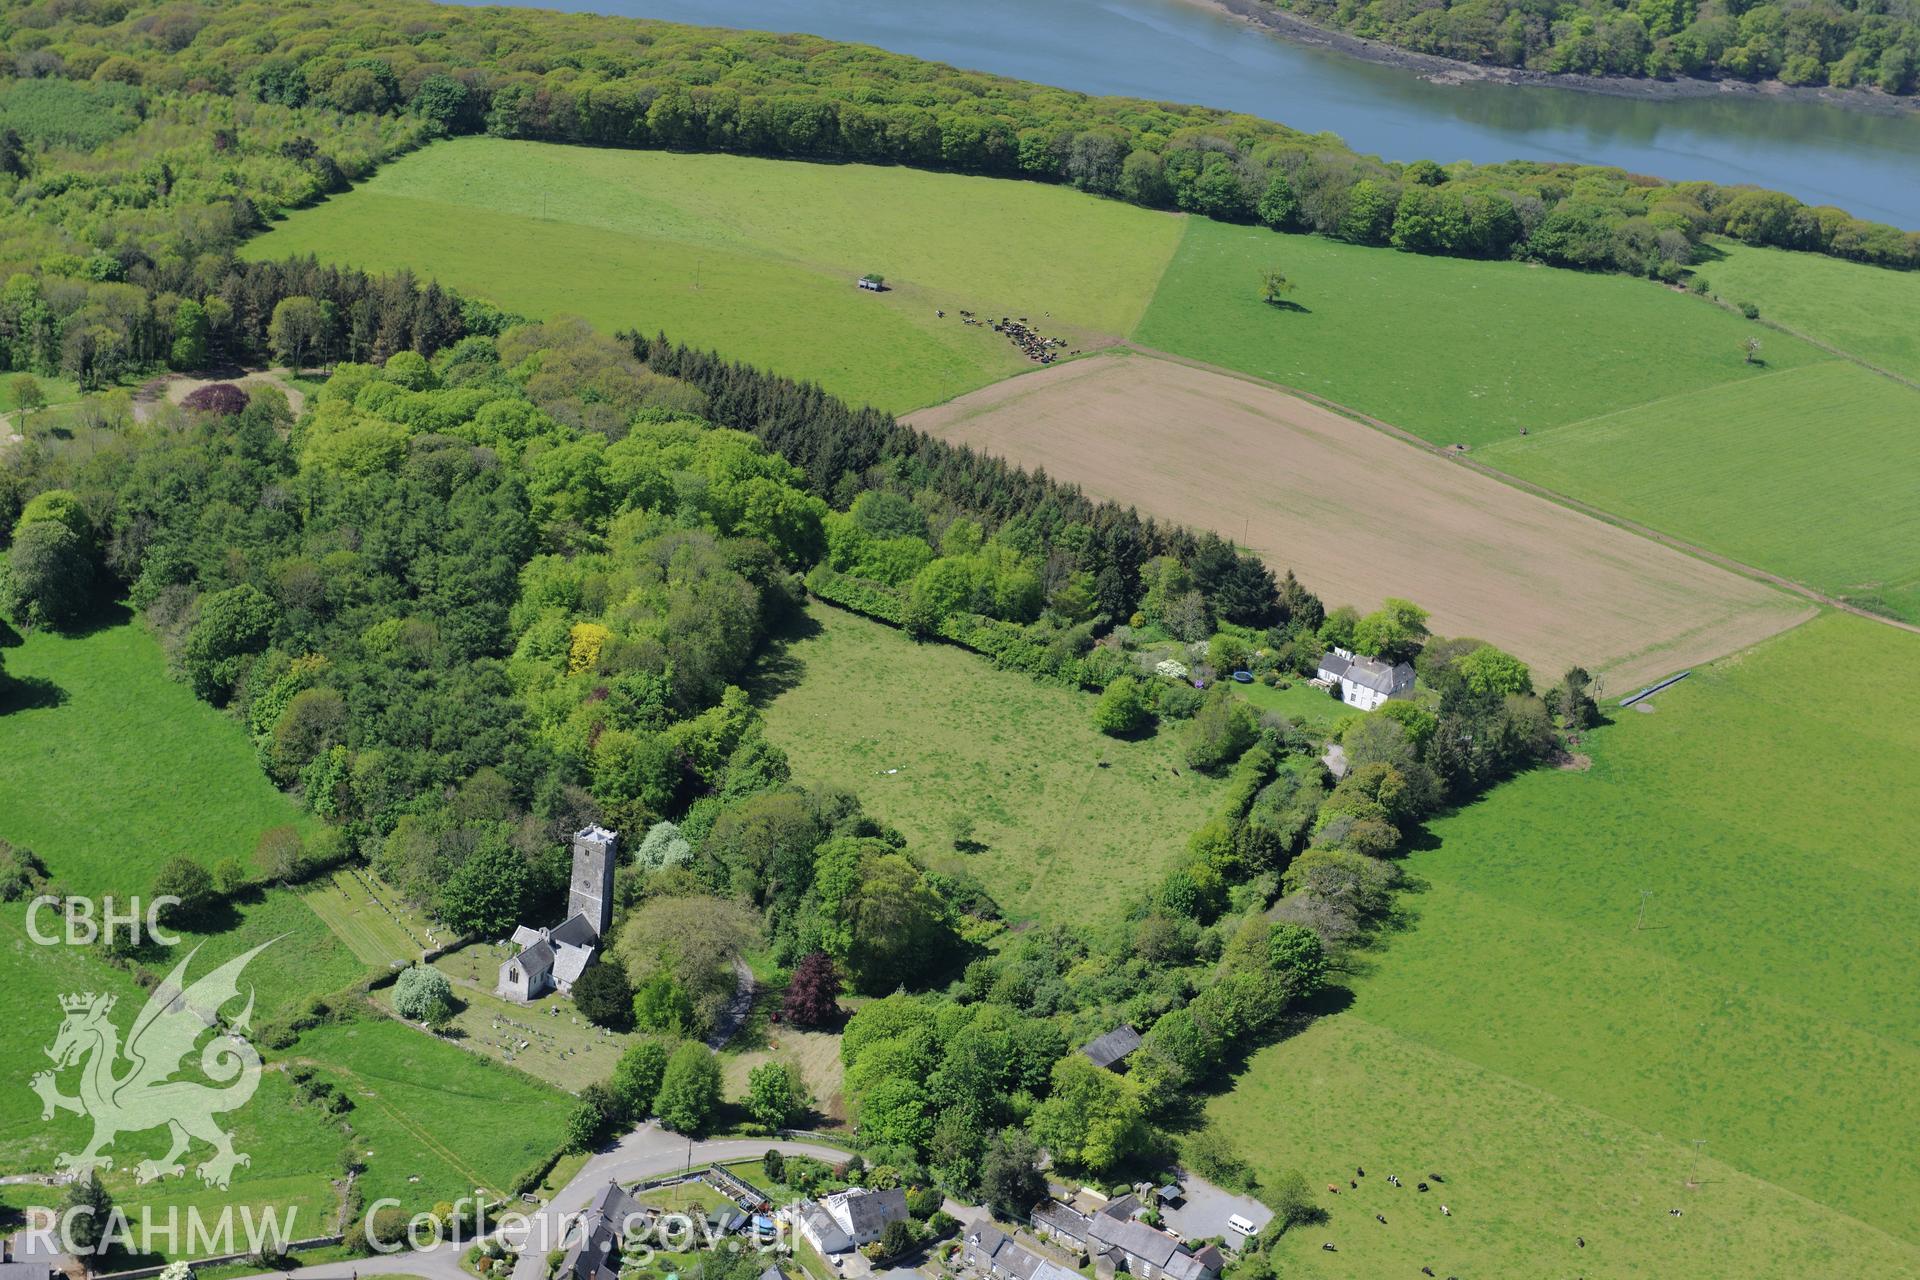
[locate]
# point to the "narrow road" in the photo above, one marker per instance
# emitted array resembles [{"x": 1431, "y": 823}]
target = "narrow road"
[{"x": 647, "y": 1152}]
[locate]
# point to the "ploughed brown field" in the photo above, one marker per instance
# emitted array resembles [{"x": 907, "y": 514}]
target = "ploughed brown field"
[{"x": 1360, "y": 516}]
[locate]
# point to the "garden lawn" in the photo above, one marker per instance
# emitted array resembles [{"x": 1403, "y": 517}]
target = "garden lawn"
[
  {"x": 1868, "y": 312},
  {"x": 1073, "y": 823},
  {"x": 1310, "y": 708},
  {"x": 108, "y": 768},
  {"x": 1555, "y": 1056},
  {"x": 757, "y": 258},
  {"x": 1451, "y": 349},
  {"x": 439, "y": 1121},
  {"x": 1808, "y": 471},
  {"x": 686, "y": 1197}
]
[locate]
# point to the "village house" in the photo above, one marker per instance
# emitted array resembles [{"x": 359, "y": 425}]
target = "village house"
[
  {"x": 1119, "y": 1242},
  {"x": 848, "y": 1219},
  {"x": 550, "y": 959},
  {"x": 991, "y": 1253},
  {"x": 595, "y": 1254},
  {"x": 1364, "y": 682},
  {"x": 817, "y": 1227}
]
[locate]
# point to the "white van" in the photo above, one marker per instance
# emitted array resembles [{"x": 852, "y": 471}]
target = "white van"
[{"x": 1241, "y": 1225}]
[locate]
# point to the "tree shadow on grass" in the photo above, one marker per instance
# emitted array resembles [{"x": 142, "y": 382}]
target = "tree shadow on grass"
[
  {"x": 29, "y": 693},
  {"x": 103, "y": 616},
  {"x": 1190, "y": 1115},
  {"x": 778, "y": 670},
  {"x": 1284, "y": 304}
]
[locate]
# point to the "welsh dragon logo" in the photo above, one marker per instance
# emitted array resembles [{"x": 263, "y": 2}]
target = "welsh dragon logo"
[{"x": 143, "y": 1095}]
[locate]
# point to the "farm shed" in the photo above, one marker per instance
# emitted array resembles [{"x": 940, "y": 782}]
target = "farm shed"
[{"x": 1112, "y": 1048}]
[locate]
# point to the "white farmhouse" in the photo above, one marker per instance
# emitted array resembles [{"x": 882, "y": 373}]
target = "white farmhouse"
[{"x": 1365, "y": 683}]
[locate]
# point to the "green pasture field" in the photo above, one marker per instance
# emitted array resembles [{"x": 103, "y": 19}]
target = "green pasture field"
[
  {"x": 1066, "y": 840},
  {"x": 1635, "y": 399},
  {"x": 294, "y": 1152},
  {"x": 1868, "y": 312},
  {"x": 1453, "y": 350},
  {"x": 1555, "y": 1053},
  {"x": 1807, "y": 471},
  {"x": 108, "y": 768},
  {"x": 439, "y": 1121},
  {"x": 757, "y": 258},
  {"x": 1527, "y": 1174}
]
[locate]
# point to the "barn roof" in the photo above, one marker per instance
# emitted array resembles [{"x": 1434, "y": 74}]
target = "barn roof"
[{"x": 1113, "y": 1046}]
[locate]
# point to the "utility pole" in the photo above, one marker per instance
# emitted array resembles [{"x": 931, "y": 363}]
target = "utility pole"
[
  {"x": 1698, "y": 1145},
  {"x": 1641, "y": 923}
]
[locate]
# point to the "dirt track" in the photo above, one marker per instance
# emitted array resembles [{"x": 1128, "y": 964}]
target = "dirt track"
[{"x": 1360, "y": 516}]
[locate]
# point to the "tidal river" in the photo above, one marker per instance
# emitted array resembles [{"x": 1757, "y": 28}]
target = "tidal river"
[{"x": 1186, "y": 51}]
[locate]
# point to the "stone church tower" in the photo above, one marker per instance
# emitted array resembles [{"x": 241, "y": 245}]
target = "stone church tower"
[{"x": 595, "y": 851}]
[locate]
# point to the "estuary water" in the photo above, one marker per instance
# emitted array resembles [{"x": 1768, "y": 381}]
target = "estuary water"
[{"x": 1187, "y": 51}]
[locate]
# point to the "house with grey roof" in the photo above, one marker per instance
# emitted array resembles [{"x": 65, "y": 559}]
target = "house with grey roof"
[
  {"x": 1062, "y": 1222},
  {"x": 1364, "y": 682},
  {"x": 864, "y": 1214},
  {"x": 550, "y": 959},
  {"x": 1112, "y": 1049},
  {"x": 595, "y": 1252},
  {"x": 1119, "y": 1242},
  {"x": 817, "y": 1227},
  {"x": 994, "y": 1255}
]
